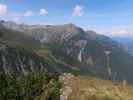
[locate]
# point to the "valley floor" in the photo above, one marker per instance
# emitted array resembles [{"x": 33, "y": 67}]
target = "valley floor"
[{"x": 88, "y": 88}]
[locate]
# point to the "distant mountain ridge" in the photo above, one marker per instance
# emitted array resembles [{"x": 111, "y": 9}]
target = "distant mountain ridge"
[
  {"x": 127, "y": 41},
  {"x": 79, "y": 51}
]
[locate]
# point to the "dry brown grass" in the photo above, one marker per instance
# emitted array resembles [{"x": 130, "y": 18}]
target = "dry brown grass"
[{"x": 88, "y": 88}]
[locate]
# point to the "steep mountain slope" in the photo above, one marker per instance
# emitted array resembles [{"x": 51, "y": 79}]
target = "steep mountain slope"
[
  {"x": 90, "y": 52},
  {"x": 16, "y": 61},
  {"x": 14, "y": 37},
  {"x": 83, "y": 52},
  {"x": 21, "y": 54},
  {"x": 127, "y": 41}
]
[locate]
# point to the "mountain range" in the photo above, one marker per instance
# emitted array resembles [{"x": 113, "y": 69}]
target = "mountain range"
[{"x": 62, "y": 48}]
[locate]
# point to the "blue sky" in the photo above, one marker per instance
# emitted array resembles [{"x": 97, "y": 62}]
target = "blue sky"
[{"x": 110, "y": 17}]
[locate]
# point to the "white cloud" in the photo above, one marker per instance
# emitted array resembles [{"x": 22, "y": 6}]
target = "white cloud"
[
  {"x": 121, "y": 32},
  {"x": 13, "y": 16},
  {"x": 77, "y": 11},
  {"x": 3, "y": 9},
  {"x": 28, "y": 13},
  {"x": 43, "y": 11},
  {"x": 116, "y": 31},
  {"x": 17, "y": 19}
]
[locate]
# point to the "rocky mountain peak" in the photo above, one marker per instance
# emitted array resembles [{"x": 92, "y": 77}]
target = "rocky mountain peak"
[{"x": 70, "y": 25}]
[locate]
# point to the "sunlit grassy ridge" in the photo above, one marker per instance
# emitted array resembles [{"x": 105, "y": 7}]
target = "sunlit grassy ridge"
[{"x": 88, "y": 88}]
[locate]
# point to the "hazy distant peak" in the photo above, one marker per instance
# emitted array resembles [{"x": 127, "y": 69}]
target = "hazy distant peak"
[{"x": 70, "y": 25}]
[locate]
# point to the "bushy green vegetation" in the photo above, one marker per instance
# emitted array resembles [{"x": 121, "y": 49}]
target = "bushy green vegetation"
[{"x": 30, "y": 87}]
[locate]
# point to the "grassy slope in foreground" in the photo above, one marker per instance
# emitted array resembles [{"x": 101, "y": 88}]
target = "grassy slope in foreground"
[
  {"x": 38, "y": 86},
  {"x": 88, "y": 88}
]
